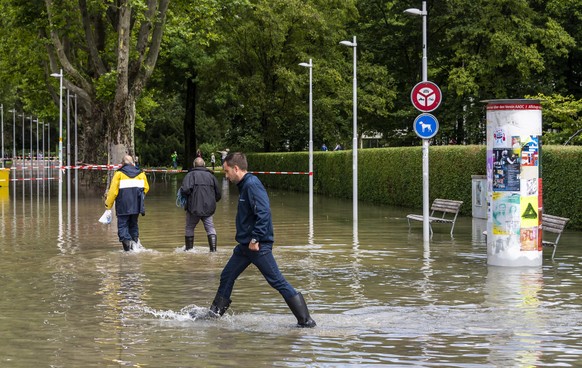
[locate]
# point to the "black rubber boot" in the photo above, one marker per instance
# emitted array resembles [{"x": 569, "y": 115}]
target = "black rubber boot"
[
  {"x": 299, "y": 308},
  {"x": 127, "y": 246},
  {"x": 219, "y": 306},
  {"x": 189, "y": 242},
  {"x": 212, "y": 242}
]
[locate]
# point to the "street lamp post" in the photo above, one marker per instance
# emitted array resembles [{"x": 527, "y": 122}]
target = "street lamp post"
[
  {"x": 60, "y": 76},
  {"x": 354, "y": 45},
  {"x": 37, "y": 155},
  {"x": 310, "y": 66},
  {"x": 23, "y": 117},
  {"x": 43, "y": 156},
  {"x": 76, "y": 149},
  {"x": 2, "y": 115},
  {"x": 31, "y": 162},
  {"x": 13, "y": 111},
  {"x": 49, "y": 142},
  {"x": 425, "y": 142}
]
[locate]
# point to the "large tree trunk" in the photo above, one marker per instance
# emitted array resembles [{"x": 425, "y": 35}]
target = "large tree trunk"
[
  {"x": 109, "y": 128},
  {"x": 121, "y": 128},
  {"x": 190, "y": 145}
]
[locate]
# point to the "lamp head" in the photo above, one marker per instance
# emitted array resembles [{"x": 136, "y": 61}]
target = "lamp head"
[
  {"x": 414, "y": 11},
  {"x": 348, "y": 43},
  {"x": 56, "y": 75},
  {"x": 306, "y": 65}
]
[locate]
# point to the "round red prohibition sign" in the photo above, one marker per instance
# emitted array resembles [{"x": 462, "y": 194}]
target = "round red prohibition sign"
[{"x": 426, "y": 96}]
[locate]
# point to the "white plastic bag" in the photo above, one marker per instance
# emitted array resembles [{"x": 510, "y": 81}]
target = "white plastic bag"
[{"x": 106, "y": 217}]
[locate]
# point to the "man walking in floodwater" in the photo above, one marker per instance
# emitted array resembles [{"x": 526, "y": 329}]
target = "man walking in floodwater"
[
  {"x": 127, "y": 190},
  {"x": 202, "y": 191},
  {"x": 254, "y": 235}
]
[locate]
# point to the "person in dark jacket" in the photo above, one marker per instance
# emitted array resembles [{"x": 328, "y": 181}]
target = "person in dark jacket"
[
  {"x": 254, "y": 235},
  {"x": 127, "y": 190},
  {"x": 201, "y": 189}
]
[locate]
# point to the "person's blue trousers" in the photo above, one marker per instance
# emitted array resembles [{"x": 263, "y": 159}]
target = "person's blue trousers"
[
  {"x": 263, "y": 259},
  {"x": 127, "y": 227}
]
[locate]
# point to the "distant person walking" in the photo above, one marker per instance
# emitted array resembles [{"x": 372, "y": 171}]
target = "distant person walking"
[
  {"x": 127, "y": 190},
  {"x": 323, "y": 147},
  {"x": 202, "y": 191},
  {"x": 223, "y": 155},
  {"x": 212, "y": 160},
  {"x": 254, "y": 235},
  {"x": 175, "y": 160}
]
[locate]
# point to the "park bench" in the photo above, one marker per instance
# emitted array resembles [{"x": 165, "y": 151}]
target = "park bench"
[
  {"x": 555, "y": 225},
  {"x": 448, "y": 210}
]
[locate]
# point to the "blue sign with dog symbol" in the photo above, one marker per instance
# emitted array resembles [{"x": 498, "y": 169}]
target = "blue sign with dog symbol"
[{"x": 426, "y": 126}]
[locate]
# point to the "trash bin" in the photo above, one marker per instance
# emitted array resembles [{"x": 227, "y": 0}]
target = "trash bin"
[
  {"x": 479, "y": 190},
  {"x": 4, "y": 177}
]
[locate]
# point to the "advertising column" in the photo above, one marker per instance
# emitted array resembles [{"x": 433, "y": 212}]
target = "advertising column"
[{"x": 514, "y": 183}]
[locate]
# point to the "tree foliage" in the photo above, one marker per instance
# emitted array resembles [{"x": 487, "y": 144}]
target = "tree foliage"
[{"x": 228, "y": 73}]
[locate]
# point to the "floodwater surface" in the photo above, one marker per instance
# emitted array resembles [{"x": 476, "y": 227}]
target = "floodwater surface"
[{"x": 70, "y": 297}]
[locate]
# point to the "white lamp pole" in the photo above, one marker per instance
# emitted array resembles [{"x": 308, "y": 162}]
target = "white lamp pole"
[
  {"x": 43, "y": 156},
  {"x": 76, "y": 152},
  {"x": 2, "y": 114},
  {"x": 425, "y": 142},
  {"x": 49, "y": 142},
  {"x": 31, "y": 162},
  {"x": 23, "y": 117},
  {"x": 60, "y": 76},
  {"x": 354, "y": 45},
  {"x": 37, "y": 156},
  {"x": 310, "y": 66},
  {"x": 13, "y": 111}
]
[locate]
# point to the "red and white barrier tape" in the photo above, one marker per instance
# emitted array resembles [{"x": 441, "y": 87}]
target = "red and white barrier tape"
[
  {"x": 32, "y": 179},
  {"x": 283, "y": 172},
  {"x": 115, "y": 167}
]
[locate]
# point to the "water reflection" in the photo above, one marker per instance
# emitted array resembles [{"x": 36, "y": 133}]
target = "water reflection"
[
  {"x": 380, "y": 295},
  {"x": 514, "y": 294}
]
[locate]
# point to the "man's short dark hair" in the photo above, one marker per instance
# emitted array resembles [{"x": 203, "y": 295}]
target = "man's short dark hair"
[{"x": 237, "y": 159}]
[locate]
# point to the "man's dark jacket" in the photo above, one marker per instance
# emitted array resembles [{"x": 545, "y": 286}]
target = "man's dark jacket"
[
  {"x": 201, "y": 188},
  {"x": 253, "y": 218}
]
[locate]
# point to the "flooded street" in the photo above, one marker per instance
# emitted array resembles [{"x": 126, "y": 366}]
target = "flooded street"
[{"x": 70, "y": 297}]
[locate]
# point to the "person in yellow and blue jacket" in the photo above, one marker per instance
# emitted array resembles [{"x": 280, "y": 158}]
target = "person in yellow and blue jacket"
[{"x": 127, "y": 190}]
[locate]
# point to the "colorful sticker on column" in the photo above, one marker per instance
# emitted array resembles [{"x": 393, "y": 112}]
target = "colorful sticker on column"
[
  {"x": 516, "y": 142},
  {"x": 529, "y": 211},
  {"x": 506, "y": 166},
  {"x": 529, "y": 179},
  {"x": 499, "y": 138},
  {"x": 505, "y": 213},
  {"x": 530, "y": 151},
  {"x": 529, "y": 239}
]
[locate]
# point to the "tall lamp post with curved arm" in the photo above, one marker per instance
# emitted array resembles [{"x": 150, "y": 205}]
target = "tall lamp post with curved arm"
[
  {"x": 310, "y": 67},
  {"x": 60, "y": 76},
  {"x": 354, "y": 45}
]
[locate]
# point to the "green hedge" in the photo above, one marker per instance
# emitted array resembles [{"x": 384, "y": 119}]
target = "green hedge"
[{"x": 393, "y": 176}]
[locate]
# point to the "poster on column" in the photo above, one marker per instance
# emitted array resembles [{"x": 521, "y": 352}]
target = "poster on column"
[
  {"x": 506, "y": 167},
  {"x": 529, "y": 223},
  {"x": 505, "y": 213},
  {"x": 530, "y": 151}
]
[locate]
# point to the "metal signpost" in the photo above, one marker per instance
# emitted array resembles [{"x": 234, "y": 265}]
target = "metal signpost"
[{"x": 426, "y": 97}]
